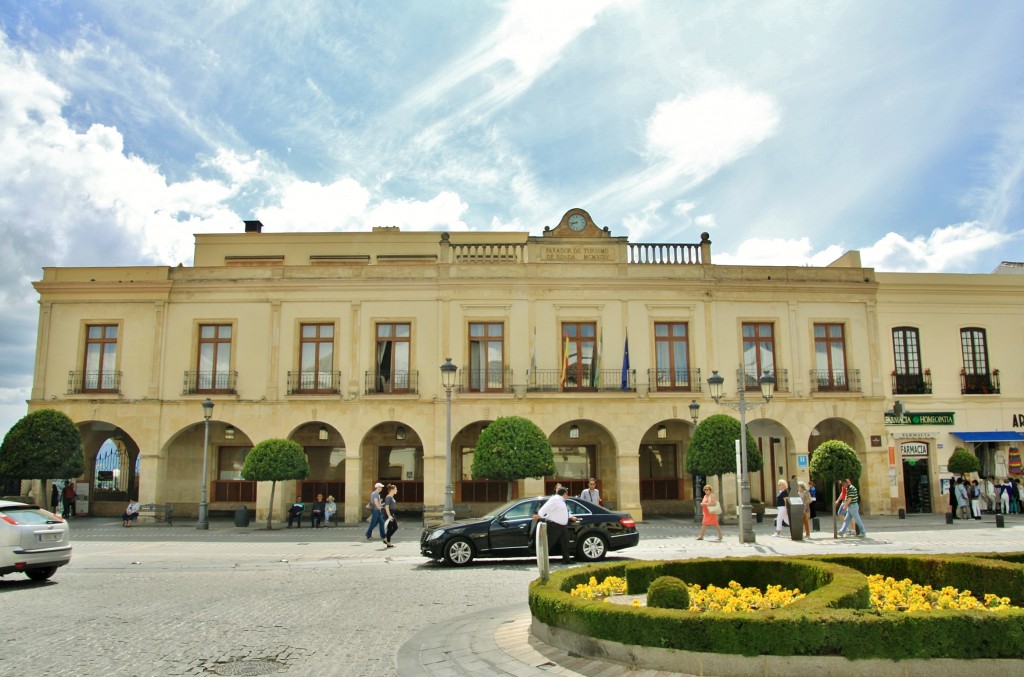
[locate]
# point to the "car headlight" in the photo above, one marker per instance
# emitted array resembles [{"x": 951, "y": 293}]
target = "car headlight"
[{"x": 435, "y": 534}]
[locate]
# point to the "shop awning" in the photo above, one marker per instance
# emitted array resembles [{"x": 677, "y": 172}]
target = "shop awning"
[{"x": 993, "y": 436}]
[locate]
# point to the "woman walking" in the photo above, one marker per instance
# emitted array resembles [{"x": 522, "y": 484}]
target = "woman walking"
[
  {"x": 780, "y": 506},
  {"x": 805, "y": 496},
  {"x": 711, "y": 509},
  {"x": 390, "y": 523}
]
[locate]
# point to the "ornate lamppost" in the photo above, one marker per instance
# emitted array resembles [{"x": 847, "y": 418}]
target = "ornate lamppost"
[
  {"x": 767, "y": 384},
  {"x": 204, "y": 519},
  {"x": 448, "y": 371}
]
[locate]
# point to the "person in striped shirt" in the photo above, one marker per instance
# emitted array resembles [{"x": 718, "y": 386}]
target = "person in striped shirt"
[{"x": 852, "y": 505}]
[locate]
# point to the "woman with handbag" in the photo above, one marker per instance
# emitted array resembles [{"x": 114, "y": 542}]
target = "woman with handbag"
[
  {"x": 390, "y": 523},
  {"x": 711, "y": 509}
]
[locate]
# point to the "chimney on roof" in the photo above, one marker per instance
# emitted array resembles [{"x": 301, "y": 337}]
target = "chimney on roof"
[{"x": 254, "y": 226}]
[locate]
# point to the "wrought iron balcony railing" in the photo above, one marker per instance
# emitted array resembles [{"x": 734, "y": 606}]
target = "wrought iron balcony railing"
[
  {"x": 985, "y": 383},
  {"x": 912, "y": 384},
  {"x": 210, "y": 382},
  {"x": 835, "y": 380},
  {"x": 399, "y": 383},
  {"x": 485, "y": 380},
  {"x": 602, "y": 380},
  {"x": 94, "y": 382},
  {"x": 752, "y": 381},
  {"x": 682, "y": 380},
  {"x": 314, "y": 382}
]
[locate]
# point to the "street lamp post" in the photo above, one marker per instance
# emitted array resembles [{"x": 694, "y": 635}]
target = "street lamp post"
[
  {"x": 767, "y": 384},
  {"x": 448, "y": 381},
  {"x": 204, "y": 520}
]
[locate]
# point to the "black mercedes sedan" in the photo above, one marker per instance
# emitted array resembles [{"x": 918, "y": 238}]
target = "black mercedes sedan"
[{"x": 506, "y": 532}]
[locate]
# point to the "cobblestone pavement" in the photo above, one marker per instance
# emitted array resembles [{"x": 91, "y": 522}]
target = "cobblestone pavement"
[{"x": 158, "y": 600}]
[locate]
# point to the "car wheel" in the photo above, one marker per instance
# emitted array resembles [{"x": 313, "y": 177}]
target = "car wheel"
[
  {"x": 458, "y": 552},
  {"x": 41, "y": 574},
  {"x": 592, "y": 548}
]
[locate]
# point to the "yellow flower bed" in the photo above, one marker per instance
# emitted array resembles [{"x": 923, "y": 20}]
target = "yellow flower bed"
[
  {"x": 739, "y": 599},
  {"x": 612, "y": 585},
  {"x": 887, "y": 594}
]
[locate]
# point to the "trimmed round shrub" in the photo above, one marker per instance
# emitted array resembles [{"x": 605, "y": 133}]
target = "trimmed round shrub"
[{"x": 668, "y": 592}]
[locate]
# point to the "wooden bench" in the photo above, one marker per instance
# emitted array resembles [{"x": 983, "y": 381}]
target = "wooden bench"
[{"x": 160, "y": 512}]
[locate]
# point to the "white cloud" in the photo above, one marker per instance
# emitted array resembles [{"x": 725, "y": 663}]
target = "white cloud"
[
  {"x": 690, "y": 138},
  {"x": 697, "y": 135},
  {"x": 777, "y": 252},
  {"x": 346, "y": 205},
  {"x": 946, "y": 250},
  {"x": 949, "y": 249}
]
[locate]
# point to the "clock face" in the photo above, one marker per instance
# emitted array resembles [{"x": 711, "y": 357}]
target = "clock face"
[{"x": 577, "y": 222}]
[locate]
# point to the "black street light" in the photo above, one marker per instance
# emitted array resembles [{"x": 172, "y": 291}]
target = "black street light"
[
  {"x": 448, "y": 371},
  {"x": 715, "y": 386},
  {"x": 204, "y": 515}
]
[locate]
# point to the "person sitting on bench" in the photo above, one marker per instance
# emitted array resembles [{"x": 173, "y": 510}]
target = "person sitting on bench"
[{"x": 295, "y": 513}]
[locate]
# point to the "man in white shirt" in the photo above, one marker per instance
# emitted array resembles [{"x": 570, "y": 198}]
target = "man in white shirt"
[
  {"x": 556, "y": 513},
  {"x": 591, "y": 494}
]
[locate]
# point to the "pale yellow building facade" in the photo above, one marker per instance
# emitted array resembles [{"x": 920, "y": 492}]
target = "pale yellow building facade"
[{"x": 335, "y": 340}]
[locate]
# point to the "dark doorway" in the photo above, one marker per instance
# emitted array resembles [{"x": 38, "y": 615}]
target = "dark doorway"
[{"x": 916, "y": 485}]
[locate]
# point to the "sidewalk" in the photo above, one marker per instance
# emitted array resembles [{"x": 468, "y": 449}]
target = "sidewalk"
[{"x": 220, "y": 528}]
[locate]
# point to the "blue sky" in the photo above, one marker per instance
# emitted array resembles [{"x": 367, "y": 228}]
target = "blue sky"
[{"x": 790, "y": 131}]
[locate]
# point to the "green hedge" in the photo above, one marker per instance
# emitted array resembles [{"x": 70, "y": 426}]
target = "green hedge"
[
  {"x": 999, "y": 574},
  {"x": 833, "y": 619}
]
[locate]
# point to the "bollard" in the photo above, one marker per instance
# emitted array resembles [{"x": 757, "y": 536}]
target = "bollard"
[
  {"x": 999, "y": 521},
  {"x": 903, "y": 514},
  {"x": 949, "y": 518},
  {"x": 543, "y": 560},
  {"x": 815, "y": 524}
]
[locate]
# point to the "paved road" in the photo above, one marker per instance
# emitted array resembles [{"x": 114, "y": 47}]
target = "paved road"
[{"x": 158, "y": 600}]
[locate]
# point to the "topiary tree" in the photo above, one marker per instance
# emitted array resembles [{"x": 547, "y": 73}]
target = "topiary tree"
[
  {"x": 962, "y": 462},
  {"x": 272, "y": 460},
  {"x": 832, "y": 462},
  {"x": 712, "y": 448},
  {"x": 510, "y": 449},
  {"x": 42, "y": 445},
  {"x": 668, "y": 592}
]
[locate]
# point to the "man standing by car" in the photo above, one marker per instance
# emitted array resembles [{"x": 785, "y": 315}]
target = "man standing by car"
[{"x": 556, "y": 513}]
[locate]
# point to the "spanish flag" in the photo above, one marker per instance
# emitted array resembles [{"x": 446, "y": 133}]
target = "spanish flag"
[{"x": 565, "y": 363}]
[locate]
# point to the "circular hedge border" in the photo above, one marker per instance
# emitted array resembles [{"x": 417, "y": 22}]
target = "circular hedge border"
[{"x": 834, "y": 619}]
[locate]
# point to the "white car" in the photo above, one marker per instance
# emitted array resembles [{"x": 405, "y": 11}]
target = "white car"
[{"x": 33, "y": 541}]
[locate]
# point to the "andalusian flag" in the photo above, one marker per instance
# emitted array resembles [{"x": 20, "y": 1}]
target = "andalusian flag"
[
  {"x": 597, "y": 362},
  {"x": 565, "y": 363}
]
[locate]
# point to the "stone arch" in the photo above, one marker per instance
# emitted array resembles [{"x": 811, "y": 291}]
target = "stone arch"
[
  {"x": 181, "y": 469},
  {"x": 326, "y": 452},
  {"x": 583, "y": 449},
  {"x": 469, "y": 489},
  {"x": 844, "y": 430},
  {"x": 392, "y": 453},
  {"x": 111, "y": 474},
  {"x": 780, "y": 454},
  {"x": 665, "y": 486}
]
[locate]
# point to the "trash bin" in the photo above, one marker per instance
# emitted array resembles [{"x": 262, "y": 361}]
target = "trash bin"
[
  {"x": 795, "y": 506},
  {"x": 242, "y": 516}
]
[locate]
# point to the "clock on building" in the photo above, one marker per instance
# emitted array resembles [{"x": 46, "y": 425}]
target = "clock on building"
[{"x": 577, "y": 222}]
